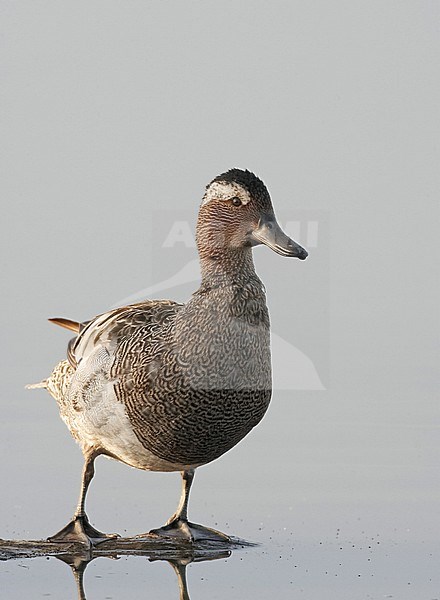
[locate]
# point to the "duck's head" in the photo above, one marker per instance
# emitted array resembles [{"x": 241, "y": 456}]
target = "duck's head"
[{"x": 237, "y": 212}]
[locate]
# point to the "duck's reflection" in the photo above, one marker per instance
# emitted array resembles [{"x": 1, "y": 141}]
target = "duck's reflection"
[{"x": 78, "y": 564}]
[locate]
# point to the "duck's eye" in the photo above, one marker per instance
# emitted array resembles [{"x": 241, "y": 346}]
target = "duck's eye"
[{"x": 236, "y": 201}]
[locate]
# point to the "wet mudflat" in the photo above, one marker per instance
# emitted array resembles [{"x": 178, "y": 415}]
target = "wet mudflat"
[{"x": 177, "y": 553}]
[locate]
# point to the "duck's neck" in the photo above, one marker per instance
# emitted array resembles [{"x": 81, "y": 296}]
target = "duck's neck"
[
  {"x": 227, "y": 266},
  {"x": 231, "y": 288}
]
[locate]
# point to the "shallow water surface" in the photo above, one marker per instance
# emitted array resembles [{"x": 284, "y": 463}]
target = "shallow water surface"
[
  {"x": 340, "y": 567},
  {"x": 340, "y": 508}
]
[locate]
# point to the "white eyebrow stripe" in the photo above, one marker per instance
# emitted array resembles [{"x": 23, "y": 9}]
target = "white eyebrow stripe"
[{"x": 223, "y": 190}]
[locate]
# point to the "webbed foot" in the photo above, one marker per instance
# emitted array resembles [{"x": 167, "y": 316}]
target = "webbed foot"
[
  {"x": 183, "y": 529},
  {"x": 80, "y": 530}
]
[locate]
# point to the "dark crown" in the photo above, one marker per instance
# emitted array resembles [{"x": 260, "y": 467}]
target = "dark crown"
[{"x": 248, "y": 181}]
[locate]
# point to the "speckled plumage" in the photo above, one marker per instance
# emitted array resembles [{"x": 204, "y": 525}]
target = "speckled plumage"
[{"x": 167, "y": 386}]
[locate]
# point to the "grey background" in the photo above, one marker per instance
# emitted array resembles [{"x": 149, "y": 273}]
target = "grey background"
[{"x": 113, "y": 111}]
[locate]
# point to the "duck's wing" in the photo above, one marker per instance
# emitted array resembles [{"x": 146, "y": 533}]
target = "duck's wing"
[
  {"x": 116, "y": 358},
  {"x": 112, "y": 328}
]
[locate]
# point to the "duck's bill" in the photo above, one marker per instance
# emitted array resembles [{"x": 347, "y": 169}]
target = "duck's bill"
[{"x": 270, "y": 234}]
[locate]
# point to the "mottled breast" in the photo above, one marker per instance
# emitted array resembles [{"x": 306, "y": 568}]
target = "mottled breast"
[{"x": 195, "y": 379}]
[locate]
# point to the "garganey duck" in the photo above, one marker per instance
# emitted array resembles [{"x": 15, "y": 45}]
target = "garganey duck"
[{"x": 163, "y": 386}]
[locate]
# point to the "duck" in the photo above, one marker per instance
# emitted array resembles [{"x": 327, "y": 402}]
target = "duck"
[{"x": 167, "y": 386}]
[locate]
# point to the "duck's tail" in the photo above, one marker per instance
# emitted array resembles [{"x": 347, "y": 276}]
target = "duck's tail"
[
  {"x": 62, "y": 372},
  {"x": 33, "y": 386},
  {"x": 58, "y": 381}
]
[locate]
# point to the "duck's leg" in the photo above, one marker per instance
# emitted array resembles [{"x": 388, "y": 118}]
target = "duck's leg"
[
  {"x": 79, "y": 528},
  {"x": 179, "y": 526}
]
